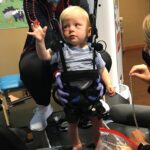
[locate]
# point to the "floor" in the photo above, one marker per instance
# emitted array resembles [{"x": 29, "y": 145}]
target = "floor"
[{"x": 59, "y": 138}]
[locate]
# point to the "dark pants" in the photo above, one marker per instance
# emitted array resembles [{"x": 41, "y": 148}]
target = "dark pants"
[{"x": 37, "y": 77}]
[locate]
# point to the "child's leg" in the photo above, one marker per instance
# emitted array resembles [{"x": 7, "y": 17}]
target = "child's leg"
[
  {"x": 74, "y": 135},
  {"x": 97, "y": 123}
]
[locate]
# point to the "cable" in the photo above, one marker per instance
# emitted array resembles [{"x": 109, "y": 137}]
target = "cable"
[{"x": 132, "y": 98}]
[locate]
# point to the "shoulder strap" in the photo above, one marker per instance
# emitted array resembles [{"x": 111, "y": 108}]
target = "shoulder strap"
[
  {"x": 61, "y": 41},
  {"x": 63, "y": 60}
]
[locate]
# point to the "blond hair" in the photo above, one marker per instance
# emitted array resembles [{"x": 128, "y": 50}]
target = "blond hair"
[
  {"x": 72, "y": 10},
  {"x": 146, "y": 28}
]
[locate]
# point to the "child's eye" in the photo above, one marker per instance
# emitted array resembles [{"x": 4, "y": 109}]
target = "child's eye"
[
  {"x": 77, "y": 24},
  {"x": 65, "y": 26}
]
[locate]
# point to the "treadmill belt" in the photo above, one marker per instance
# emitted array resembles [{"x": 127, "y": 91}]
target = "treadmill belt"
[{"x": 60, "y": 140}]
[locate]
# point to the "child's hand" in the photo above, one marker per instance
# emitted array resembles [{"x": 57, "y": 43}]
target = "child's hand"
[
  {"x": 111, "y": 90},
  {"x": 38, "y": 31}
]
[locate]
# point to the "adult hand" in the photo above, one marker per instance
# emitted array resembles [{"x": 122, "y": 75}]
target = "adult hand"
[
  {"x": 138, "y": 137},
  {"x": 60, "y": 90},
  {"x": 140, "y": 71}
]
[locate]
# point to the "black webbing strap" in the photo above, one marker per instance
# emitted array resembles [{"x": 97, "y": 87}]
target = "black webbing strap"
[
  {"x": 94, "y": 35},
  {"x": 94, "y": 57},
  {"x": 79, "y": 75},
  {"x": 56, "y": 28}
]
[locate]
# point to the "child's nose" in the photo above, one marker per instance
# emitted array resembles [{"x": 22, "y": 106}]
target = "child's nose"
[{"x": 72, "y": 28}]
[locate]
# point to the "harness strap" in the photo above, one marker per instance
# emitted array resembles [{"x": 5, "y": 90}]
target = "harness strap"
[
  {"x": 78, "y": 75},
  {"x": 69, "y": 75},
  {"x": 56, "y": 28},
  {"x": 66, "y": 75},
  {"x": 94, "y": 56}
]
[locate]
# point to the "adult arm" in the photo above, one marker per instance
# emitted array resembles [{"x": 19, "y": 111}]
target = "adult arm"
[
  {"x": 139, "y": 139},
  {"x": 140, "y": 71}
]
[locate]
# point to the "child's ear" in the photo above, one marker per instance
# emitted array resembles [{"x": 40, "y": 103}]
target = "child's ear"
[{"x": 89, "y": 31}]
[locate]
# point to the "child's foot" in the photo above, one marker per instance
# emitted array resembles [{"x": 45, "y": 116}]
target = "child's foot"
[{"x": 77, "y": 147}]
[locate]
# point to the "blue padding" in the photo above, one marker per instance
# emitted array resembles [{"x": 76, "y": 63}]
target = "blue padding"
[{"x": 10, "y": 82}]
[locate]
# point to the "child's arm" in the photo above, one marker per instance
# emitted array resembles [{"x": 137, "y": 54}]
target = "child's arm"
[
  {"x": 39, "y": 34},
  {"x": 105, "y": 77}
]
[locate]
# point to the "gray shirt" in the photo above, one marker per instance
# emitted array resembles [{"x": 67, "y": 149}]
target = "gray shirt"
[{"x": 79, "y": 59}]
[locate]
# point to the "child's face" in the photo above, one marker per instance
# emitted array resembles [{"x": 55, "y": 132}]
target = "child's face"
[{"x": 76, "y": 30}]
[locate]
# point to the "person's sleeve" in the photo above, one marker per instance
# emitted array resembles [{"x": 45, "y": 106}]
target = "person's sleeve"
[
  {"x": 99, "y": 61},
  {"x": 55, "y": 58}
]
